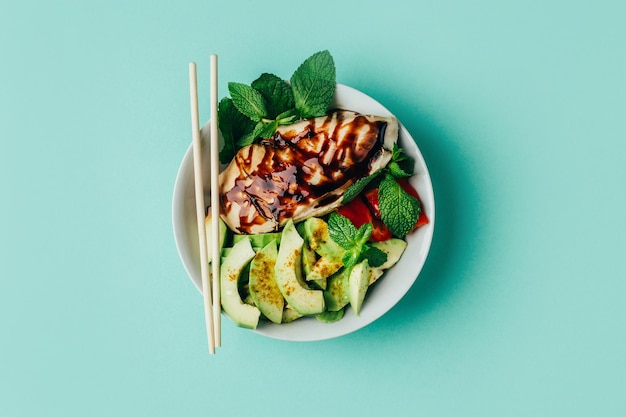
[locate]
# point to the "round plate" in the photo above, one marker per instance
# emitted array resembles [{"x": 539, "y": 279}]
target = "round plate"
[{"x": 380, "y": 297}]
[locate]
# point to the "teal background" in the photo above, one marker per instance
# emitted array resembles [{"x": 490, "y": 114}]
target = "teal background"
[{"x": 518, "y": 107}]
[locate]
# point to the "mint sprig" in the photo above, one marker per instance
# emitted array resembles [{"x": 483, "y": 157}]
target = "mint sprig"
[
  {"x": 354, "y": 241},
  {"x": 400, "y": 166},
  {"x": 358, "y": 186},
  {"x": 233, "y": 125},
  {"x": 270, "y": 102},
  {"x": 398, "y": 209},
  {"x": 313, "y": 85},
  {"x": 248, "y": 101},
  {"x": 276, "y": 92}
]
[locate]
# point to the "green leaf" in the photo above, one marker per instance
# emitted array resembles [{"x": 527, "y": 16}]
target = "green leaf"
[
  {"x": 233, "y": 125},
  {"x": 363, "y": 234},
  {"x": 248, "y": 101},
  {"x": 353, "y": 240},
  {"x": 375, "y": 257},
  {"x": 398, "y": 209},
  {"x": 261, "y": 130},
  {"x": 396, "y": 170},
  {"x": 287, "y": 117},
  {"x": 401, "y": 165},
  {"x": 313, "y": 85},
  {"x": 267, "y": 130},
  {"x": 247, "y": 139},
  {"x": 350, "y": 258},
  {"x": 357, "y": 187},
  {"x": 341, "y": 230},
  {"x": 276, "y": 92}
]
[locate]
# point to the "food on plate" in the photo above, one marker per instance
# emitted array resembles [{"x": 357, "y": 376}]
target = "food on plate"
[
  {"x": 303, "y": 169},
  {"x": 315, "y": 201}
]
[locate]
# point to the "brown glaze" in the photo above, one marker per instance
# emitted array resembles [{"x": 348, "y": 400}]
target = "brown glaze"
[{"x": 300, "y": 167}]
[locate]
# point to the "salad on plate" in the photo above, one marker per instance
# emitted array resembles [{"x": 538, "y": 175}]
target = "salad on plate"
[{"x": 315, "y": 201}]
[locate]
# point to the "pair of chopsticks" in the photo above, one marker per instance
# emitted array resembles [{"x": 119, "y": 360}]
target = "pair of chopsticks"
[{"x": 210, "y": 283}]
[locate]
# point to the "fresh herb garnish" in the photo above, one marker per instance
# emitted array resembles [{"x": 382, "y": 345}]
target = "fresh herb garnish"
[
  {"x": 276, "y": 92},
  {"x": 233, "y": 125},
  {"x": 401, "y": 165},
  {"x": 313, "y": 85},
  {"x": 270, "y": 102},
  {"x": 397, "y": 207},
  {"x": 358, "y": 186},
  {"x": 248, "y": 101},
  {"x": 354, "y": 241}
]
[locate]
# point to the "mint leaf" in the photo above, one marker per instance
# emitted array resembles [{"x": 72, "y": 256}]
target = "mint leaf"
[
  {"x": 267, "y": 130},
  {"x": 398, "y": 209},
  {"x": 350, "y": 258},
  {"x": 401, "y": 165},
  {"x": 375, "y": 257},
  {"x": 363, "y": 234},
  {"x": 233, "y": 125},
  {"x": 341, "y": 230},
  {"x": 248, "y": 101},
  {"x": 397, "y": 171},
  {"x": 287, "y": 117},
  {"x": 357, "y": 187},
  {"x": 276, "y": 92},
  {"x": 354, "y": 240},
  {"x": 261, "y": 130},
  {"x": 313, "y": 85}
]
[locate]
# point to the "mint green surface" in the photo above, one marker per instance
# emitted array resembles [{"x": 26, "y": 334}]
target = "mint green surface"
[{"x": 519, "y": 108}]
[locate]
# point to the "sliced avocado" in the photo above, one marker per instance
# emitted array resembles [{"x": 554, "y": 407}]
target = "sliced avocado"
[
  {"x": 290, "y": 314},
  {"x": 330, "y": 316},
  {"x": 223, "y": 232},
  {"x": 242, "y": 314},
  {"x": 309, "y": 259},
  {"x": 323, "y": 268},
  {"x": 394, "y": 248},
  {"x": 336, "y": 294},
  {"x": 289, "y": 274},
  {"x": 317, "y": 234},
  {"x": 262, "y": 285},
  {"x": 358, "y": 284},
  {"x": 260, "y": 240}
]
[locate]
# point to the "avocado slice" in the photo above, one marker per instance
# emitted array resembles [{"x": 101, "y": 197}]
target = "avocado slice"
[
  {"x": 223, "y": 233},
  {"x": 323, "y": 268},
  {"x": 262, "y": 285},
  {"x": 336, "y": 294},
  {"x": 316, "y": 233},
  {"x": 330, "y": 316},
  {"x": 242, "y": 314},
  {"x": 309, "y": 259},
  {"x": 394, "y": 248},
  {"x": 289, "y": 274},
  {"x": 290, "y": 314},
  {"x": 260, "y": 240},
  {"x": 358, "y": 284}
]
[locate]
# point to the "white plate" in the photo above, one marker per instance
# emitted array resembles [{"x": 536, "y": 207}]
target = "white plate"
[{"x": 381, "y": 297}]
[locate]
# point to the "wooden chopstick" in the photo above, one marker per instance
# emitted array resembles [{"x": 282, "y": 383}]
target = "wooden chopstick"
[
  {"x": 215, "y": 207},
  {"x": 199, "y": 190}
]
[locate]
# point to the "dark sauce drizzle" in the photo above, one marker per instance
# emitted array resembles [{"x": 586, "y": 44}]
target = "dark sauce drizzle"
[{"x": 298, "y": 169}]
